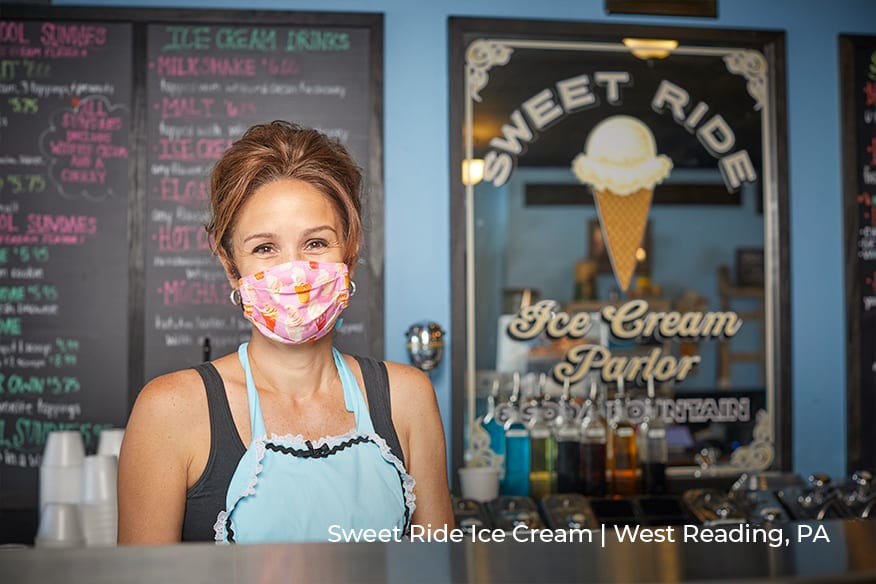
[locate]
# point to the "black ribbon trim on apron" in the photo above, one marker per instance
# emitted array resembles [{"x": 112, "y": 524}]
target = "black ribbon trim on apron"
[{"x": 323, "y": 452}]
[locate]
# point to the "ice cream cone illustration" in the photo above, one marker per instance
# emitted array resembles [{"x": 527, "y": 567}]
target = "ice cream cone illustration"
[
  {"x": 275, "y": 287},
  {"x": 269, "y": 314},
  {"x": 303, "y": 291},
  {"x": 293, "y": 318},
  {"x": 621, "y": 164}
]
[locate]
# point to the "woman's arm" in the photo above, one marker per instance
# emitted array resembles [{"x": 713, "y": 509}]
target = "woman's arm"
[
  {"x": 417, "y": 419},
  {"x": 153, "y": 462}
]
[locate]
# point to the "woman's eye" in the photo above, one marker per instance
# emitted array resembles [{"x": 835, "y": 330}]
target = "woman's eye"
[
  {"x": 316, "y": 244},
  {"x": 263, "y": 248}
]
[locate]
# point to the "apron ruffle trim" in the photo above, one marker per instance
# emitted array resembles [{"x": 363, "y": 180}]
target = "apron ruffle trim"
[
  {"x": 219, "y": 530},
  {"x": 408, "y": 482}
]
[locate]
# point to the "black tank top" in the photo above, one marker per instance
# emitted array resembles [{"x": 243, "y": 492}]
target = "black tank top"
[{"x": 206, "y": 498}]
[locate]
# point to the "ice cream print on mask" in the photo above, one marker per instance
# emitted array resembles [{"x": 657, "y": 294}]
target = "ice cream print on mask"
[
  {"x": 296, "y": 302},
  {"x": 620, "y": 162}
]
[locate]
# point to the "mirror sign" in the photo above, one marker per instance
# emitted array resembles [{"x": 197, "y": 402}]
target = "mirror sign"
[{"x": 622, "y": 167}]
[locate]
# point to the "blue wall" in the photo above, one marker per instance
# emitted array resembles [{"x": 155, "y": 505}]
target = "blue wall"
[{"x": 417, "y": 175}]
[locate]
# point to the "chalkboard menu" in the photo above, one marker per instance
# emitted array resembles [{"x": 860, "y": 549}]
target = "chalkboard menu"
[
  {"x": 207, "y": 83},
  {"x": 859, "y": 172},
  {"x": 65, "y": 116},
  {"x": 110, "y": 123}
]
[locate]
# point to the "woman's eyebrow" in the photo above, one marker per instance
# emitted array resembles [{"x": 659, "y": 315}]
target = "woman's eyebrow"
[
  {"x": 259, "y": 236},
  {"x": 313, "y": 230}
]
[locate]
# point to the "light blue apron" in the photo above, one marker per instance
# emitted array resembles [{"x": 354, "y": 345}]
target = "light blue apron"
[{"x": 286, "y": 488}]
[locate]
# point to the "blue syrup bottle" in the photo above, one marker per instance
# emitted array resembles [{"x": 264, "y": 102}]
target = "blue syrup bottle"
[{"x": 516, "y": 448}]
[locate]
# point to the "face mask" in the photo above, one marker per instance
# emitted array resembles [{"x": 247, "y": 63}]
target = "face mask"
[{"x": 296, "y": 302}]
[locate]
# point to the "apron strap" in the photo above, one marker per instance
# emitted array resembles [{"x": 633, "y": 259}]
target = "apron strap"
[
  {"x": 256, "y": 422},
  {"x": 353, "y": 398}
]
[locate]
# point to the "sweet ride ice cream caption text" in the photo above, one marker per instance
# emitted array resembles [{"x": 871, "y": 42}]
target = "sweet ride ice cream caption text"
[{"x": 743, "y": 533}]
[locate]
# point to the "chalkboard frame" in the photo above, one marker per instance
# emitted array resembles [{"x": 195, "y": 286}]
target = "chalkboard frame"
[
  {"x": 860, "y": 404},
  {"x": 140, "y": 19}
]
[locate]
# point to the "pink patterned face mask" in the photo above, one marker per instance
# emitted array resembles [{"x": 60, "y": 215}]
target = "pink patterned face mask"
[{"x": 296, "y": 302}]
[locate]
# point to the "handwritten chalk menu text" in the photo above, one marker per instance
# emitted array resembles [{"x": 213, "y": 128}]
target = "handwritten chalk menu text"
[
  {"x": 860, "y": 177},
  {"x": 205, "y": 85},
  {"x": 65, "y": 115}
]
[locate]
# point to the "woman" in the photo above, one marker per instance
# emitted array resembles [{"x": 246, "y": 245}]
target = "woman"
[{"x": 286, "y": 439}]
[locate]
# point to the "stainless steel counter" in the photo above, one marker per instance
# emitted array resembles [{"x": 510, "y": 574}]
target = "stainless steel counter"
[{"x": 850, "y": 555}]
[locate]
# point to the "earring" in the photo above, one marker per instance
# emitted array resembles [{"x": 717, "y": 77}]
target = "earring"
[
  {"x": 235, "y": 297},
  {"x": 352, "y": 288}
]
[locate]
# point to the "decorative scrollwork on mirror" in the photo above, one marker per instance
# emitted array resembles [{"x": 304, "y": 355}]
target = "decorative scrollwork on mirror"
[{"x": 629, "y": 222}]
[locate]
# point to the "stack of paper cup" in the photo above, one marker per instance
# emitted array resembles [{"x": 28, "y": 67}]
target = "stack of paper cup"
[
  {"x": 61, "y": 468},
  {"x": 110, "y": 441},
  {"x": 99, "y": 502},
  {"x": 60, "y": 526}
]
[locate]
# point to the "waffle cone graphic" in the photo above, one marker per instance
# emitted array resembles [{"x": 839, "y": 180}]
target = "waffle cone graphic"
[
  {"x": 621, "y": 165},
  {"x": 623, "y": 222}
]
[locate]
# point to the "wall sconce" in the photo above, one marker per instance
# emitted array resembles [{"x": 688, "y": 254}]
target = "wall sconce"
[
  {"x": 472, "y": 171},
  {"x": 425, "y": 345},
  {"x": 650, "y": 48}
]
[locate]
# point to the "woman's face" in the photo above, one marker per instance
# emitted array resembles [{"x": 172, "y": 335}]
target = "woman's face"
[{"x": 284, "y": 221}]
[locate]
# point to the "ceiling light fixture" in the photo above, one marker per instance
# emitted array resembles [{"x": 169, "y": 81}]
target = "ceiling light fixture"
[{"x": 650, "y": 48}]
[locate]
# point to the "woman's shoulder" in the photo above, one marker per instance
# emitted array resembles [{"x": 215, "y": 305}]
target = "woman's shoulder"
[
  {"x": 410, "y": 389},
  {"x": 176, "y": 394},
  {"x": 407, "y": 374},
  {"x": 415, "y": 414},
  {"x": 169, "y": 420}
]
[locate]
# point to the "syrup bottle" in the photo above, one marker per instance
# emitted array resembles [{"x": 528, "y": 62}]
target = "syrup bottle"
[
  {"x": 542, "y": 448},
  {"x": 516, "y": 447},
  {"x": 652, "y": 446},
  {"x": 568, "y": 433},
  {"x": 593, "y": 444},
  {"x": 623, "y": 462}
]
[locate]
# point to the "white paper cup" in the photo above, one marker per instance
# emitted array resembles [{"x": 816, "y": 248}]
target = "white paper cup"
[
  {"x": 110, "y": 441},
  {"x": 60, "y": 526},
  {"x": 480, "y": 483},
  {"x": 60, "y": 484},
  {"x": 64, "y": 449},
  {"x": 99, "y": 473},
  {"x": 100, "y": 523}
]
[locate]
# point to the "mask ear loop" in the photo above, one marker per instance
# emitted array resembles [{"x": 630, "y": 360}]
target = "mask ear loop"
[{"x": 340, "y": 321}]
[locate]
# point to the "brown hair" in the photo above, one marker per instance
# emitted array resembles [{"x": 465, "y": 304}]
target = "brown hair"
[{"x": 284, "y": 150}]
